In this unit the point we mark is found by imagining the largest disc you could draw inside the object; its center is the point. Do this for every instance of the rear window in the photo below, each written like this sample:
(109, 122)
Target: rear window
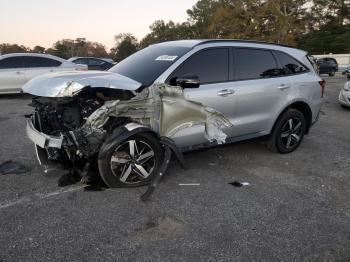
(95, 62)
(82, 61)
(289, 65)
(146, 65)
(35, 61)
(253, 63)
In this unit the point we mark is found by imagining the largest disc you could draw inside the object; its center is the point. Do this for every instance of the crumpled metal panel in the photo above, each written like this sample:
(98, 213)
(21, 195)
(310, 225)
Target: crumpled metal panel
(165, 109)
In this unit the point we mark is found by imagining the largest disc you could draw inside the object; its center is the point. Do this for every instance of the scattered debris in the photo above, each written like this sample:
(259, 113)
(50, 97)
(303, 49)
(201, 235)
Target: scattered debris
(239, 184)
(190, 184)
(12, 167)
(95, 187)
(69, 178)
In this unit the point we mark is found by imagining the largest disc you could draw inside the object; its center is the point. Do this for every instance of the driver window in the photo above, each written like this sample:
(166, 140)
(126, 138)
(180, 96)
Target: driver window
(210, 65)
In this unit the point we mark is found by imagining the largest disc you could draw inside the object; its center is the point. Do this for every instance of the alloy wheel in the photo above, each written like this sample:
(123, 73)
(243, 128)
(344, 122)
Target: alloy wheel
(133, 161)
(291, 133)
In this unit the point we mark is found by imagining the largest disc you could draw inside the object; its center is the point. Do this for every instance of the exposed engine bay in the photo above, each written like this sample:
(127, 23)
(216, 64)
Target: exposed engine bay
(65, 117)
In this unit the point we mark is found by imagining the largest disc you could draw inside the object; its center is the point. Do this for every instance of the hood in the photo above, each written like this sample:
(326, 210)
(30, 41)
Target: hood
(67, 84)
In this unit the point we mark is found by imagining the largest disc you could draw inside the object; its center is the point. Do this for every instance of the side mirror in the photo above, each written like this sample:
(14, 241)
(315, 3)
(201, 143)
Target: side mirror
(188, 81)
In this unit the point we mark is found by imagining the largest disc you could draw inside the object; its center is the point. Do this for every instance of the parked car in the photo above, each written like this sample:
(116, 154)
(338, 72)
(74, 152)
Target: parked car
(18, 68)
(178, 96)
(93, 63)
(346, 72)
(327, 65)
(344, 95)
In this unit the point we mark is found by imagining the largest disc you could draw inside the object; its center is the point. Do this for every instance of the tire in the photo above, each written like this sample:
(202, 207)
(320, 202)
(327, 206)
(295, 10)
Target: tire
(332, 73)
(121, 166)
(288, 132)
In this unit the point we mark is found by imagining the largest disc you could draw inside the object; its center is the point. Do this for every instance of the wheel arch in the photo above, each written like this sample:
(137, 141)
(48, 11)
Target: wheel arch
(301, 106)
(123, 132)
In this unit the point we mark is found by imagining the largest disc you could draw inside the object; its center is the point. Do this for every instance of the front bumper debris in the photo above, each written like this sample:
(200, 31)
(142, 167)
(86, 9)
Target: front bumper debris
(41, 139)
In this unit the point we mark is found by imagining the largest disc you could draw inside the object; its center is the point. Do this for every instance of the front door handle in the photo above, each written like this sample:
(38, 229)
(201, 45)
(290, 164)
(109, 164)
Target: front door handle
(226, 92)
(19, 73)
(283, 87)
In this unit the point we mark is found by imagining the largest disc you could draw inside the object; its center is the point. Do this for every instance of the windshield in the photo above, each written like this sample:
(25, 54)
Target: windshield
(148, 64)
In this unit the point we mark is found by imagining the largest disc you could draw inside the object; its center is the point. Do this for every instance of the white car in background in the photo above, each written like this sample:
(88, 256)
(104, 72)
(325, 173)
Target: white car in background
(18, 68)
(344, 95)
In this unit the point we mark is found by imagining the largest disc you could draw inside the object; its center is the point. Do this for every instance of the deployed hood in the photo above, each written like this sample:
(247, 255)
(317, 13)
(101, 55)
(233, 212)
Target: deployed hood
(67, 84)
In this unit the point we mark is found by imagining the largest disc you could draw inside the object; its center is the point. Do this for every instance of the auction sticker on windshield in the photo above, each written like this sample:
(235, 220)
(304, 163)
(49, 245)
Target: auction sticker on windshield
(166, 58)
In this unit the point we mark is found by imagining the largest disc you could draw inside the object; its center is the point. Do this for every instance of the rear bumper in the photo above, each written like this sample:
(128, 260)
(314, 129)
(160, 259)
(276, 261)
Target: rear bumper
(42, 140)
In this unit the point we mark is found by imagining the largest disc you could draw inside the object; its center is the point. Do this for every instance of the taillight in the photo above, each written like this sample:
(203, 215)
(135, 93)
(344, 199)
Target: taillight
(323, 85)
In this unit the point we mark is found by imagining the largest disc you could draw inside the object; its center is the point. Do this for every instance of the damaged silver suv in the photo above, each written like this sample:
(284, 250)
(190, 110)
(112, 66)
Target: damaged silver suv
(169, 98)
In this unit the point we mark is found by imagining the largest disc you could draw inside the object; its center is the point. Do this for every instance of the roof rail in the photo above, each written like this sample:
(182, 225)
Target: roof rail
(206, 41)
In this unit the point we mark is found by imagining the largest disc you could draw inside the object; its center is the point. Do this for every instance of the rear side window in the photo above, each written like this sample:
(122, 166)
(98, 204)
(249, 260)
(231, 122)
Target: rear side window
(82, 61)
(211, 66)
(33, 61)
(95, 62)
(253, 63)
(289, 65)
(12, 62)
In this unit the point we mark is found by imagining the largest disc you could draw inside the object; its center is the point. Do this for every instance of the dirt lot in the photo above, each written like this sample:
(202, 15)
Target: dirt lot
(297, 207)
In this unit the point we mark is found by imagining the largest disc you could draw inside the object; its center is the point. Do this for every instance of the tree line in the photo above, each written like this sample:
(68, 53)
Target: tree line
(318, 26)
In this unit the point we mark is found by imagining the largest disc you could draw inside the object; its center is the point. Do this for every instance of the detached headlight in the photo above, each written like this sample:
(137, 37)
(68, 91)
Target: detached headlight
(347, 86)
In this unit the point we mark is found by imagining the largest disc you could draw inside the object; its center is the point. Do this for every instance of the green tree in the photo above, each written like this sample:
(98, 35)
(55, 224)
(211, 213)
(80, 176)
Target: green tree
(38, 49)
(162, 31)
(200, 16)
(67, 48)
(329, 39)
(336, 12)
(12, 48)
(126, 44)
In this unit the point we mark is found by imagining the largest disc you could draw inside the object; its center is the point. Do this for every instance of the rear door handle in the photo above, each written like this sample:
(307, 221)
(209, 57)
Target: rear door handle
(19, 73)
(283, 87)
(226, 92)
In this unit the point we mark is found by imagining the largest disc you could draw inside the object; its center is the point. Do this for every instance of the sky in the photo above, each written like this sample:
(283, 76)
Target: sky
(43, 22)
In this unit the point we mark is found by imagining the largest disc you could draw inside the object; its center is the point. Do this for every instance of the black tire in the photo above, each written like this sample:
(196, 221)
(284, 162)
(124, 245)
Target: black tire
(114, 146)
(332, 73)
(278, 141)
(346, 107)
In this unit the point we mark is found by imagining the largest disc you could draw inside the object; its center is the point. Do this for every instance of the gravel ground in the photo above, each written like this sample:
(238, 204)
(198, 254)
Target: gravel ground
(297, 207)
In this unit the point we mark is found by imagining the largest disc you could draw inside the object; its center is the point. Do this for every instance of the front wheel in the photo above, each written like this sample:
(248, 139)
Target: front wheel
(288, 132)
(332, 73)
(131, 162)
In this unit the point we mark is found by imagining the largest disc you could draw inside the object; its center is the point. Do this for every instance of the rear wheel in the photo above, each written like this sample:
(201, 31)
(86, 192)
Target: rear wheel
(288, 132)
(331, 73)
(131, 162)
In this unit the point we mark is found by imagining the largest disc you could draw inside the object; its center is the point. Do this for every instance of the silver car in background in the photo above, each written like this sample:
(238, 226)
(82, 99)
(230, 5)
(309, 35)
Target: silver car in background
(182, 95)
(18, 68)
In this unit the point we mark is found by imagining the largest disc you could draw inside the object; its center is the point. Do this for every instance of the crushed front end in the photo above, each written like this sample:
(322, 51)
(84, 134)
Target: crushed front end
(58, 127)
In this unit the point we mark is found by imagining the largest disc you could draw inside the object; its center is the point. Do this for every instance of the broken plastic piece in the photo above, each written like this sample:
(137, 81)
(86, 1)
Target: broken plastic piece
(153, 185)
(12, 167)
(239, 184)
